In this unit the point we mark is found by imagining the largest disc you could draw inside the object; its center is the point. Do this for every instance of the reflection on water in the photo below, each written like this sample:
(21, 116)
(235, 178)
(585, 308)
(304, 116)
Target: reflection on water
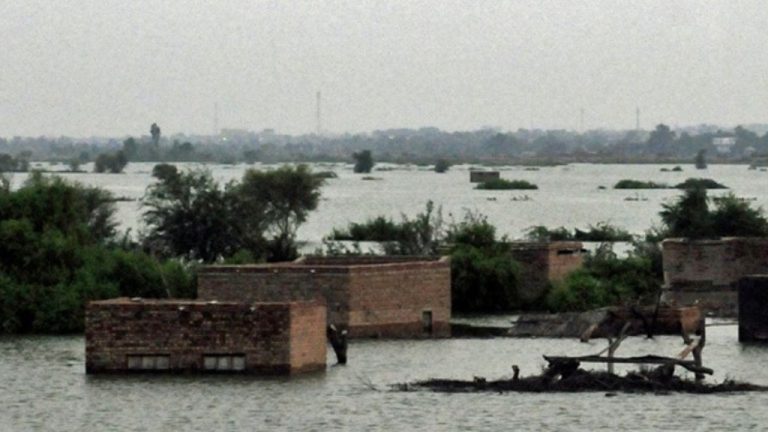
(43, 387)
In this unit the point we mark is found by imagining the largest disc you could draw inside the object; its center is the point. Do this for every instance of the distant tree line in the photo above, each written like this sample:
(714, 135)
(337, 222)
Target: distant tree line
(423, 146)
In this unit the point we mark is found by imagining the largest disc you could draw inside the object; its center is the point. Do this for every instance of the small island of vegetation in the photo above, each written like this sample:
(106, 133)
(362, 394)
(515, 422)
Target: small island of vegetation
(689, 183)
(502, 184)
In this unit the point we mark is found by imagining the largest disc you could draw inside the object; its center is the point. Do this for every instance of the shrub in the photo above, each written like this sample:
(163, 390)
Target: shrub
(705, 183)
(442, 166)
(363, 161)
(503, 184)
(638, 184)
(602, 232)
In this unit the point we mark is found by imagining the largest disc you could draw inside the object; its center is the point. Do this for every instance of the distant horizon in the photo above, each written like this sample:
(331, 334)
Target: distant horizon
(762, 127)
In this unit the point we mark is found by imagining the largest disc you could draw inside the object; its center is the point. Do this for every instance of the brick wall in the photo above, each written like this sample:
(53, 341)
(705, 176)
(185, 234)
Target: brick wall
(483, 176)
(399, 300)
(544, 263)
(373, 296)
(707, 271)
(182, 335)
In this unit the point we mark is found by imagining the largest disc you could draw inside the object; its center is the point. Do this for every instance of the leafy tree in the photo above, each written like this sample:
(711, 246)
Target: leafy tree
(701, 159)
(689, 215)
(112, 162)
(189, 214)
(363, 161)
(734, 217)
(58, 252)
(442, 166)
(661, 139)
(286, 195)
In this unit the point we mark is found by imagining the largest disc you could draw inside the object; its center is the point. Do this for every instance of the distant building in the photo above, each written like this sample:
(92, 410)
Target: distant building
(483, 176)
(724, 145)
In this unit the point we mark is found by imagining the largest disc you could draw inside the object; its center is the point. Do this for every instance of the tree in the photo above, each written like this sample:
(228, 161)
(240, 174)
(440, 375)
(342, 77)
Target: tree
(363, 161)
(691, 217)
(112, 162)
(287, 195)
(701, 159)
(442, 166)
(661, 139)
(189, 214)
(154, 130)
(688, 216)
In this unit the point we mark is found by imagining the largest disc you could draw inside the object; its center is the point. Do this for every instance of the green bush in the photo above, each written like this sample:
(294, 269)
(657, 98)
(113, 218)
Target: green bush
(602, 232)
(638, 184)
(503, 184)
(607, 280)
(705, 183)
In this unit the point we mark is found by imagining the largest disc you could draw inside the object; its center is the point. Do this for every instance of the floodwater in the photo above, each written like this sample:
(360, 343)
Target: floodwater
(568, 195)
(43, 386)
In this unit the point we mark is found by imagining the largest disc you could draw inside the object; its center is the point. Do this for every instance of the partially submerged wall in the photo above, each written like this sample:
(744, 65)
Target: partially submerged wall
(483, 176)
(544, 263)
(124, 335)
(372, 296)
(706, 272)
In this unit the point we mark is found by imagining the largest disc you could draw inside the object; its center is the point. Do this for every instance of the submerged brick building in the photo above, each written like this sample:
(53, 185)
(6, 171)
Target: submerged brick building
(371, 296)
(544, 263)
(142, 335)
(707, 272)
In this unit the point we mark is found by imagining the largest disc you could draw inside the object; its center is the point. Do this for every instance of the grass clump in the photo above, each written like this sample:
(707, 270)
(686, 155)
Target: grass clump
(704, 183)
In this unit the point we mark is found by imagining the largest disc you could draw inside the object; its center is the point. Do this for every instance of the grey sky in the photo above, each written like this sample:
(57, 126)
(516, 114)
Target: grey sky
(105, 67)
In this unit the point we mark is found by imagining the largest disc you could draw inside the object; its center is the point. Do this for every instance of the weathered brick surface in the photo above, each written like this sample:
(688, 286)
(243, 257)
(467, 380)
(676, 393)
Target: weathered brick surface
(544, 263)
(390, 300)
(483, 176)
(372, 296)
(274, 338)
(707, 271)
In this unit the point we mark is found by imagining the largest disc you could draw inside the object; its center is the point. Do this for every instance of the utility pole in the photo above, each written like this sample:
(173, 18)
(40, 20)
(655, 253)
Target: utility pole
(581, 128)
(319, 124)
(637, 118)
(216, 119)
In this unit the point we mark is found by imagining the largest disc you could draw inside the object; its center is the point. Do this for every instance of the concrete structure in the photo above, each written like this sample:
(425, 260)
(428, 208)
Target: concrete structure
(124, 335)
(706, 272)
(544, 263)
(483, 176)
(753, 308)
(371, 296)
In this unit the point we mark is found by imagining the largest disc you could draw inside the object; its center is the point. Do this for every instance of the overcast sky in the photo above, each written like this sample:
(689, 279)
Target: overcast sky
(103, 67)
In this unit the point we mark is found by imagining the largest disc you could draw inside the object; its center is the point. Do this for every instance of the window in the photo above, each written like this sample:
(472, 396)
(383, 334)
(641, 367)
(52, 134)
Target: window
(148, 362)
(233, 362)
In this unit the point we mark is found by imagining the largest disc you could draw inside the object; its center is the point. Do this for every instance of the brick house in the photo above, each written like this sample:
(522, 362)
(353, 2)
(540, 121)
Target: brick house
(143, 335)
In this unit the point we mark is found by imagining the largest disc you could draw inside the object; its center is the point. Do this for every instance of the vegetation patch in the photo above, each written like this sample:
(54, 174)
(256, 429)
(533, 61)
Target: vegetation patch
(602, 232)
(503, 184)
(639, 184)
(705, 183)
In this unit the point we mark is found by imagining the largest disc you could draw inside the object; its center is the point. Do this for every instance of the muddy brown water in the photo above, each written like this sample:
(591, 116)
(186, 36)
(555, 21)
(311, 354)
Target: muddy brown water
(43, 386)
